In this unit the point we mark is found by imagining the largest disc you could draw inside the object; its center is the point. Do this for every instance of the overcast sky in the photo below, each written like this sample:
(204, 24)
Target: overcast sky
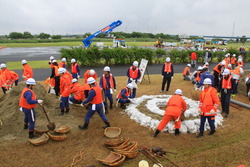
(191, 17)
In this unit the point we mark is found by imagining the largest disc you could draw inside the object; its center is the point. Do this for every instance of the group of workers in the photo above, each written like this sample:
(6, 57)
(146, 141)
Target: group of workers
(91, 94)
(95, 96)
(222, 82)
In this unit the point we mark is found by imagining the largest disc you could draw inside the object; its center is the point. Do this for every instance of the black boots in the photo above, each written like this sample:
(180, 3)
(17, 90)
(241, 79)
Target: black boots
(157, 132)
(106, 109)
(123, 106)
(107, 125)
(111, 106)
(67, 111)
(211, 132)
(84, 126)
(61, 112)
(25, 126)
(199, 135)
(31, 134)
(176, 132)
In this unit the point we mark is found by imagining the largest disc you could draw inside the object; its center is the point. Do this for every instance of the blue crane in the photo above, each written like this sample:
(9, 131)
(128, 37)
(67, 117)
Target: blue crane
(87, 42)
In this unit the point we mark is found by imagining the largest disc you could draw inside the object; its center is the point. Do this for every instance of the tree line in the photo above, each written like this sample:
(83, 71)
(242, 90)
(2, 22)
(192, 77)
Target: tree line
(28, 35)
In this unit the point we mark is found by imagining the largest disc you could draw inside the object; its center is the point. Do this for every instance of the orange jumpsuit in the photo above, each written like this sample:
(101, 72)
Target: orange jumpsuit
(27, 72)
(175, 106)
(86, 76)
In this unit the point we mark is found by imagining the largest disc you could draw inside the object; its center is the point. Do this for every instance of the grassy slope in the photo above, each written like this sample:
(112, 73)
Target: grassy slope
(229, 147)
(16, 65)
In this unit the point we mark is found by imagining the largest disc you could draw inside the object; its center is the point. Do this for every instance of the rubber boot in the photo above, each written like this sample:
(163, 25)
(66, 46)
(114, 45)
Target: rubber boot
(67, 111)
(177, 132)
(211, 132)
(123, 106)
(157, 132)
(84, 126)
(107, 125)
(111, 106)
(106, 110)
(25, 126)
(199, 135)
(31, 134)
(61, 112)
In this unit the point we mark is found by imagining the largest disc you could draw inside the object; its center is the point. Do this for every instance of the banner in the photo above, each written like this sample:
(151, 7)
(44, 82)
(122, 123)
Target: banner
(142, 67)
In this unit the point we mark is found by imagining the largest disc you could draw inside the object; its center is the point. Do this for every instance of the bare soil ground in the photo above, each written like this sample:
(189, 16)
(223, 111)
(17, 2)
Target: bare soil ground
(229, 146)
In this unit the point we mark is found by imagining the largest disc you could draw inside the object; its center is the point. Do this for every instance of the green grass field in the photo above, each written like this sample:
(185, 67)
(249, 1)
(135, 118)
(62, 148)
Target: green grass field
(16, 65)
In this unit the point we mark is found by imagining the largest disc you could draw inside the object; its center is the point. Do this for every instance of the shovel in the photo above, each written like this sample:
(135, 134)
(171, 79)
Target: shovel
(51, 125)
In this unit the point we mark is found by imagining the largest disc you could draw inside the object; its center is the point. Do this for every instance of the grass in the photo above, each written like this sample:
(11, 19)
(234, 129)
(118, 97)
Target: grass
(228, 147)
(17, 65)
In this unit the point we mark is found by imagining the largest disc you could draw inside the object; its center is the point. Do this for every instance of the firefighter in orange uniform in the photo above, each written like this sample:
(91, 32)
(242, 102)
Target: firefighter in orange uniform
(62, 64)
(193, 58)
(78, 91)
(75, 69)
(56, 77)
(108, 83)
(134, 73)
(233, 61)
(27, 71)
(186, 73)
(96, 105)
(50, 61)
(124, 96)
(175, 106)
(14, 77)
(5, 78)
(27, 103)
(209, 102)
(226, 91)
(89, 73)
(167, 74)
(65, 85)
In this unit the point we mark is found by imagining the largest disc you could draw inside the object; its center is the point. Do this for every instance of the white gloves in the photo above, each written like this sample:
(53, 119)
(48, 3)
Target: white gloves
(82, 105)
(114, 90)
(212, 111)
(131, 79)
(200, 112)
(40, 101)
(78, 76)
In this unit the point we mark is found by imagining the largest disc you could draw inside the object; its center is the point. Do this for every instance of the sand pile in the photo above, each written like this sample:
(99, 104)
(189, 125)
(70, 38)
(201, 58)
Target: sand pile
(11, 118)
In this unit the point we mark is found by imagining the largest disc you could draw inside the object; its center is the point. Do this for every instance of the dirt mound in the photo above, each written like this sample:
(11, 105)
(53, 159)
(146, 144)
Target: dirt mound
(11, 118)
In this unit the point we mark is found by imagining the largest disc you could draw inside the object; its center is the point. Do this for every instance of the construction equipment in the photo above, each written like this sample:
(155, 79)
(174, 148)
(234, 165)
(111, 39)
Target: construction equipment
(159, 43)
(51, 125)
(119, 43)
(87, 41)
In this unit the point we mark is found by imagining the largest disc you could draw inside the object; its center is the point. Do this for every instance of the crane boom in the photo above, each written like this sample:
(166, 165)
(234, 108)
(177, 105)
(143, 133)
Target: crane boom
(87, 41)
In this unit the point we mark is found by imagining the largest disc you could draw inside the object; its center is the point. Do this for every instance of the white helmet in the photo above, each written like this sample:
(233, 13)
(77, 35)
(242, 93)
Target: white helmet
(90, 80)
(3, 65)
(229, 65)
(207, 81)
(240, 60)
(24, 62)
(73, 60)
(63, 59)
(223, 62)
(206, 64)
(226, 72)
(74, 80)
(178, 92)
(188, 65)
(53, 61)
(51, 58)
(130, 86)
(168, 59)
(91, 72)
(107, 68)
(234, 55)
(199, 68)
(61, 70)
(135, 63)
(31, 81)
